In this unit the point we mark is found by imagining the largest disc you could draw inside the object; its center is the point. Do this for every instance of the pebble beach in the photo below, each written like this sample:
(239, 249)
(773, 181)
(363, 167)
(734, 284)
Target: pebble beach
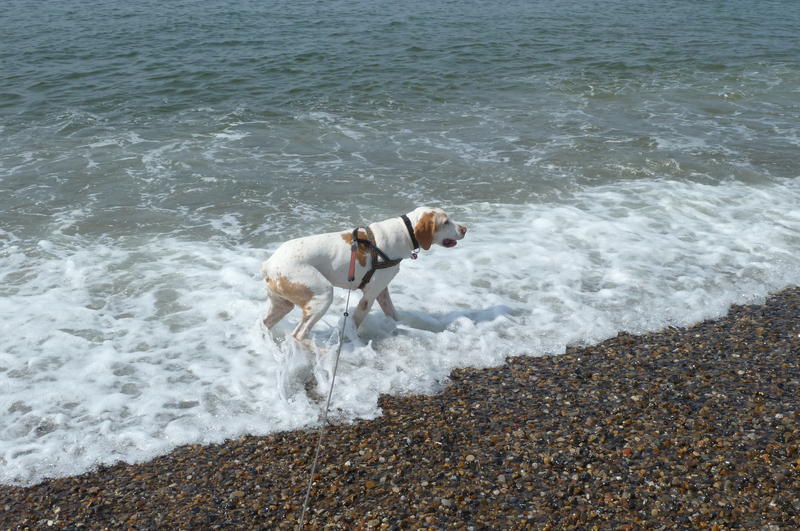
(692, 427)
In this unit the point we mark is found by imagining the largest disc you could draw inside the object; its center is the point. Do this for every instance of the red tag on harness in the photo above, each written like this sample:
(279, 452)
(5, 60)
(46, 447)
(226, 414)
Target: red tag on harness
(351, 274)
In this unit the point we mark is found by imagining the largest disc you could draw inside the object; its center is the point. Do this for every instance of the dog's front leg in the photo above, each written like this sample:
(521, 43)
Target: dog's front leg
(385, 301)
(362, 310)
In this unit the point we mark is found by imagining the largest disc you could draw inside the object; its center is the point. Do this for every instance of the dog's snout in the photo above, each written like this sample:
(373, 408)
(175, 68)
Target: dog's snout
(462, 229)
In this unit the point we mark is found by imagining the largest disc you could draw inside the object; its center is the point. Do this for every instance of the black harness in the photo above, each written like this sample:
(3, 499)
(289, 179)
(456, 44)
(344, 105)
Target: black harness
(379, 258)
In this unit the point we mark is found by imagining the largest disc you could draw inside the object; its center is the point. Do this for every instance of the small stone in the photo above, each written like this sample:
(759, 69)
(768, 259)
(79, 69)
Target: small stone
(713, 448)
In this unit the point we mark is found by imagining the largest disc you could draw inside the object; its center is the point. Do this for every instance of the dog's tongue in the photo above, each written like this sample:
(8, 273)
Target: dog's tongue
(449, 243)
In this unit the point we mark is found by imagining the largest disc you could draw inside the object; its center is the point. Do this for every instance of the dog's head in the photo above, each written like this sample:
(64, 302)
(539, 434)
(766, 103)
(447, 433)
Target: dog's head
(433, 225)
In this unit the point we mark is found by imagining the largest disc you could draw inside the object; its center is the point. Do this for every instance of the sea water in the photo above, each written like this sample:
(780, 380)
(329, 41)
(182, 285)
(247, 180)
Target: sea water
(621, 166)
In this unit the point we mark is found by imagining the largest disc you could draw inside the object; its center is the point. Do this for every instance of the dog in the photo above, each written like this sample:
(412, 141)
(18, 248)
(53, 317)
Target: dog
(303, 272)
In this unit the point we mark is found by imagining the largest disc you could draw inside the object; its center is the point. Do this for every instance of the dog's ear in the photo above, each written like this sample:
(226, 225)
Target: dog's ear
(424, 230)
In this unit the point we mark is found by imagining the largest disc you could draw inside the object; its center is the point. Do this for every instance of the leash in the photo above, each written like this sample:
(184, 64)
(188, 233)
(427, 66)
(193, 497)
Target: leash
(351, 276)
(327, 404)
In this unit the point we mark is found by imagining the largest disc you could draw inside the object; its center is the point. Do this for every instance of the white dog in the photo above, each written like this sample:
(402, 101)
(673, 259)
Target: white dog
(304, 271)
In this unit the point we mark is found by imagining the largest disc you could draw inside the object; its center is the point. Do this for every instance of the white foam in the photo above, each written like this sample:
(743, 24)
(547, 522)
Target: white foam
(124, 349)
(231, 135)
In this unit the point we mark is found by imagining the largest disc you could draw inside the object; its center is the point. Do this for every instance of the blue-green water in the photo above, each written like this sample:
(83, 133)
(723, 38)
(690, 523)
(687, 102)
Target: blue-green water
(621, 165)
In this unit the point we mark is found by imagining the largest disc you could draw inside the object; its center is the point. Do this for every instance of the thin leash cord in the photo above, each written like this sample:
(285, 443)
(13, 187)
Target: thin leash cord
(324, 417)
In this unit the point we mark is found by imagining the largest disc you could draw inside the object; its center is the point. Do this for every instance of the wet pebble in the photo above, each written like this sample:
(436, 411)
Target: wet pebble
(694, 427)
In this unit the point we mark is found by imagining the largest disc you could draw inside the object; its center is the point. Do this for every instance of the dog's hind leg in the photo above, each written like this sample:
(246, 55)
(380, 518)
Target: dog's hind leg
(302, 286)
(313, 311)
(278, 309)
(311, 292)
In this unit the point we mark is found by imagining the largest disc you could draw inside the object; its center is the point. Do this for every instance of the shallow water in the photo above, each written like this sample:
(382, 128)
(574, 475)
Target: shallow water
(621, 166)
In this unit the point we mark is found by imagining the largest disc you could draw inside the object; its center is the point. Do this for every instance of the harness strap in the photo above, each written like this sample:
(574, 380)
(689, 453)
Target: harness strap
(414, 242)
(379, 258)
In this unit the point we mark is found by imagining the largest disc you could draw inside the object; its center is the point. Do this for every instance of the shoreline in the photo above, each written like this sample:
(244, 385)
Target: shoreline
(685, 427)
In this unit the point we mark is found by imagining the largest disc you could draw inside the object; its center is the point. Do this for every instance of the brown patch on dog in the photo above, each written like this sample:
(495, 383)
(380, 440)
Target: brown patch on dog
(424, 230)
(441, 219)
(363, 250)
(294, 292)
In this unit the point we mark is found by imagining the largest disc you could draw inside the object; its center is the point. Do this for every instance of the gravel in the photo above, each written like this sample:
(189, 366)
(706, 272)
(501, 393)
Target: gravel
(691, 427)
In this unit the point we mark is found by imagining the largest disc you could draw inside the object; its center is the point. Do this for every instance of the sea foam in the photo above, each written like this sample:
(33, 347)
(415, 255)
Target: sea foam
(124, 349)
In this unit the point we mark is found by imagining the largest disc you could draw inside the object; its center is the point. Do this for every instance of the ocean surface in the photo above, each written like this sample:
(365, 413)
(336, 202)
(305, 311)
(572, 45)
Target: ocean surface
(621, 166)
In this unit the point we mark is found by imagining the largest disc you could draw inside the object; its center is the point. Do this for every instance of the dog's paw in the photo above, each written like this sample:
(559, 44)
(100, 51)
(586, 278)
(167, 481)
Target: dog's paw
(312, 390)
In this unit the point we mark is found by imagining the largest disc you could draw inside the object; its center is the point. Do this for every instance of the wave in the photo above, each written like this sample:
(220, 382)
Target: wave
(124, 348)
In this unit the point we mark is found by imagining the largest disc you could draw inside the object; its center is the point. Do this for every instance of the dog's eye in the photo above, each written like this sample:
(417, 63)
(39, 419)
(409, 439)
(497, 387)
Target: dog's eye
(447, 222)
